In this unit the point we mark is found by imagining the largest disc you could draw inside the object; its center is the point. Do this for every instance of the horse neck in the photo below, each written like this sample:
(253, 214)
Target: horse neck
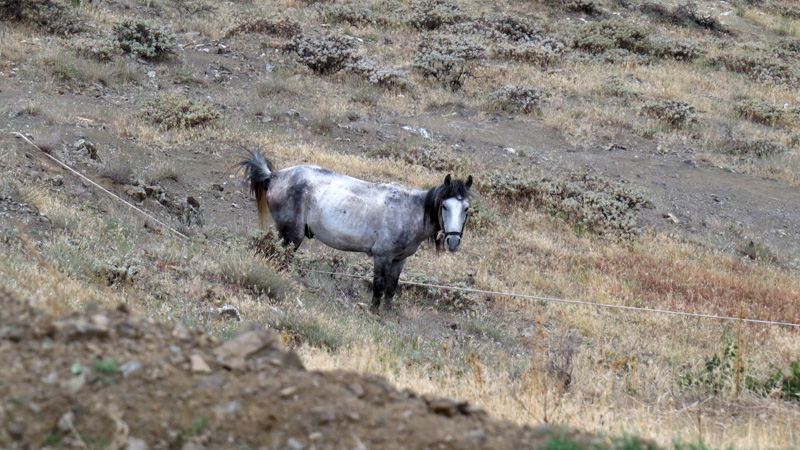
(430, 213)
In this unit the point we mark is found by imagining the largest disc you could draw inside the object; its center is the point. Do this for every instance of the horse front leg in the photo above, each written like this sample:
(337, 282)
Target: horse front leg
(380, 271)
(392, 279)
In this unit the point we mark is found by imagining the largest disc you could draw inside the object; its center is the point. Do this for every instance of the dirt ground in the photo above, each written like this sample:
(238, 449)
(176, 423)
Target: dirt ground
(114, 380)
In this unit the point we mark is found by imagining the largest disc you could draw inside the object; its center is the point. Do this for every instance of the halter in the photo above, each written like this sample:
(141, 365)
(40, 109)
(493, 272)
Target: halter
(443, 234)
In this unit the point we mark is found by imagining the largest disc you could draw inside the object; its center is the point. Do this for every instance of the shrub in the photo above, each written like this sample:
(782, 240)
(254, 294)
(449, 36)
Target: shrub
(588, 7)
(786, 8)
(176, 111)
(324, 54)
(765, 113)
(599, 37)
(354, 14)
(589, 202)
(543, 52)
(447, 58)
(255, 275)
(684, 15)
(283, 27)
(379, 75)
(429, 15)
(617, 87)
(143, 39)
(676, 113)
(759, 148)
(526, 99)
(512, 28)
(100, 50)
(436, 158)
(53, 16)
(761, 69)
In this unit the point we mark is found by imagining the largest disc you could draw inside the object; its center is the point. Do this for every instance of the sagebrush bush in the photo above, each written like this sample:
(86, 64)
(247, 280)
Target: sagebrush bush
(758, 148)
(169, 111)
(380, 75)
(357, 14)
(429, 15)
(599, 37)
(766, 113)
(283, 27)
(101, 50)
(53, 16)
(526, 99)
(438, 158)
(617, 87)
(144, 39)
(509, 27)
(322, 53)
(684, 15)
(543, 52)
(589, 7)
(760, 68)
(676, 113)
(589, 202)
(447, 58)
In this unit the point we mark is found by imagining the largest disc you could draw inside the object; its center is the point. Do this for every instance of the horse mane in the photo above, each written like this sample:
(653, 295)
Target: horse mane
(433, 204)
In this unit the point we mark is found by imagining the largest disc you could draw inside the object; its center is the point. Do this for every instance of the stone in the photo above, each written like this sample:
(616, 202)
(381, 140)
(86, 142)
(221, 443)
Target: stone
(134, 443)
(294, 444)
(356, 389)
(137, 193)
(446, 406)
(129, 367)
(199, 364)
(68, 330)
(254, 343)
(322, 416)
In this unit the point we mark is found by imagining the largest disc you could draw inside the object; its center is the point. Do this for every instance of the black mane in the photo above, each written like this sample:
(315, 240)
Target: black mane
(433, 204)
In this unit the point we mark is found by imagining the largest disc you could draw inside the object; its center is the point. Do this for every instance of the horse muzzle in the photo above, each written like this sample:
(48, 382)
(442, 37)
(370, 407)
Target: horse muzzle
(452, 241)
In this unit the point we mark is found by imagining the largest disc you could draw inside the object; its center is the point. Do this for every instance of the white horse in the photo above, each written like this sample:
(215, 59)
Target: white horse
(385, 221)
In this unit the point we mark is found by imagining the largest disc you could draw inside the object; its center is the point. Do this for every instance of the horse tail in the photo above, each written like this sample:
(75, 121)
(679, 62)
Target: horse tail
(258, 171)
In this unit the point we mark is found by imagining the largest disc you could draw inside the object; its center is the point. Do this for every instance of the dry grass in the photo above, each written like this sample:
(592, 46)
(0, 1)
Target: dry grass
(625, 365)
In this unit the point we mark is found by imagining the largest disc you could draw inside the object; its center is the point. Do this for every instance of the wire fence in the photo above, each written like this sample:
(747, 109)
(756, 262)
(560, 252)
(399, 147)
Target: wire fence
(431, 285)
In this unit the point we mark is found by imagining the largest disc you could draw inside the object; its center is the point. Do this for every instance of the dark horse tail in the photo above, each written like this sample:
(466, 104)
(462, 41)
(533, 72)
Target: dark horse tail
(258, 171)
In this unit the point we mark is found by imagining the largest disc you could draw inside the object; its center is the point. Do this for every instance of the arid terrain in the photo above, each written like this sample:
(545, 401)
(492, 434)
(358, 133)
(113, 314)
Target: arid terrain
(625, 152)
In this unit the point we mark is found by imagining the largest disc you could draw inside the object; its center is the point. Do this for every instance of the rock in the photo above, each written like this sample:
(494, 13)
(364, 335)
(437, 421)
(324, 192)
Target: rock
(255, 342)
(192, 446)
(16, 429)
(198, 364)
(66, 422)
(217, 187)
(476, 435)
(74, 384)
(322, 416)
(230, 408)
(294, 444)
(446, 406)
(288, 392)
(135, 444)
(671, 217)
(130, 367)
(356, 389)
(181, 332)
(137, 193)
(68, 330)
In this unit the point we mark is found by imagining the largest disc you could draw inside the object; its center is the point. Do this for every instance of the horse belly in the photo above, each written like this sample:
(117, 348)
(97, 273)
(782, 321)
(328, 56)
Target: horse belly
(347, 229)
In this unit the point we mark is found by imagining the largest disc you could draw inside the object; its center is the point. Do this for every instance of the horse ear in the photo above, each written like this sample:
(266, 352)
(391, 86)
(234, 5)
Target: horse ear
(447, 180)
(469, 182)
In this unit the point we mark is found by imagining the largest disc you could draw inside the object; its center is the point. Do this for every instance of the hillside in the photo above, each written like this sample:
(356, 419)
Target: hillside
(625, 152)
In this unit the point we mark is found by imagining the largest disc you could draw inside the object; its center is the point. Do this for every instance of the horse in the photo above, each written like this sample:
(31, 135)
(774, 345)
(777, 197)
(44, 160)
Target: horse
(386, 221)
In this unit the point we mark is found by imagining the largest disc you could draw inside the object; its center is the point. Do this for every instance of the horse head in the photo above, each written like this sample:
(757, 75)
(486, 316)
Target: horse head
(447, 206)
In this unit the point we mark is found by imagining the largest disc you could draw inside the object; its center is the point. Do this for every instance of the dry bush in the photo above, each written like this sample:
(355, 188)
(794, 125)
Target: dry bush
(786, 8)
(759, 68)
(510, 27)
(590, 203)
(588, 7)
(284, 27)
(429, 15)
(758, 148)
(169, 111)
(379, 75)
(53, 16)
(598, 38)
(101, 50)
(323, 53)
(358, 14)
(766, 113)
(676, 113)
(525, 99)
(144, 39)
(685, 15)
(434, 157)
(447, 58)
(543, 52)
(616, 86)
